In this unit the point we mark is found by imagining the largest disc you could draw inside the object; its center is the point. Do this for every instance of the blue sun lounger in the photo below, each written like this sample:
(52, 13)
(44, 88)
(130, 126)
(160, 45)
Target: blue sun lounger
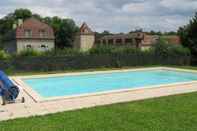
(8, 90)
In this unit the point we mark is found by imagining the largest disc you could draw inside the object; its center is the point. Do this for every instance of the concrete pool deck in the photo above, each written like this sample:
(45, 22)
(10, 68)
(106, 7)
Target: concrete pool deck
(35, 108)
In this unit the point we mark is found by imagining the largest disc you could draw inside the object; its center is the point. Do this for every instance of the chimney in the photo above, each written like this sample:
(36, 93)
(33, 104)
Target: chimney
(14, 26)
(20, 22)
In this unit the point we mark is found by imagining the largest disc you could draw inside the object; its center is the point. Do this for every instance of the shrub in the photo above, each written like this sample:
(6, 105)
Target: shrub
(163, 49)
(62, 52)
(108, 49)
(29, 53)
(127, 50)
(100, 56)
(102, 49)
(4, 55)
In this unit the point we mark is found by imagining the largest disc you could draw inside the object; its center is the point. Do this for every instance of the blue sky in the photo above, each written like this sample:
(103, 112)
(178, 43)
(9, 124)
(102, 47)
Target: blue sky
(113, 15)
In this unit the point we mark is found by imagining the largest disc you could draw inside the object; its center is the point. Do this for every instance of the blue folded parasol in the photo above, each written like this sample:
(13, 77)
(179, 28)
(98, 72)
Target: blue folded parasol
(9, 90)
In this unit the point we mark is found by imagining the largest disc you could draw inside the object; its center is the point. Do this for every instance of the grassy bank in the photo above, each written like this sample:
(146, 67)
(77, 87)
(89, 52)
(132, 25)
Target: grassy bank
(172, 113)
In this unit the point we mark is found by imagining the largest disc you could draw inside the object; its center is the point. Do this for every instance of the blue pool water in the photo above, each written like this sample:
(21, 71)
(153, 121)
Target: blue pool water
(93, 83)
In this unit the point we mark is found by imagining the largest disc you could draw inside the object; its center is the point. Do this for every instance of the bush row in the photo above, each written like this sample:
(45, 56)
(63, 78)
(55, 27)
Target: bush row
(161, 49)
(89, 61)
(102, 56)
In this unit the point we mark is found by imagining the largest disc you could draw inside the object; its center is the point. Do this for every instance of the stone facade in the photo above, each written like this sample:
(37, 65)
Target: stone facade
(85, 39)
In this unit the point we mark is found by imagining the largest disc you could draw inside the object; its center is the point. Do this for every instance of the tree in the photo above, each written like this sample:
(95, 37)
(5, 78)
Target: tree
(170, 33)
(6, 24)
(188, 35)
(104, 33)
(65, 30)
(22, 14)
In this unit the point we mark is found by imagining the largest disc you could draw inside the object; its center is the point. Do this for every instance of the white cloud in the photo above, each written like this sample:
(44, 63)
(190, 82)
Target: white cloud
(113, 15)
(141, 7)
(185, 5)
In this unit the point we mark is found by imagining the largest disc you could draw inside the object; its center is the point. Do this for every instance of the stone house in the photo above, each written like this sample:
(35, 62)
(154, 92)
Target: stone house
(31, 34)
(149, 41)
(136, 39)
(85, 39)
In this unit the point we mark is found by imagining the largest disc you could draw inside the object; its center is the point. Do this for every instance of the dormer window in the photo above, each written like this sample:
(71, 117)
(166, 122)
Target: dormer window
(43, 33)
(28, 46)
(85, 31)
(138, 34)
(43, 46)
(28, 33)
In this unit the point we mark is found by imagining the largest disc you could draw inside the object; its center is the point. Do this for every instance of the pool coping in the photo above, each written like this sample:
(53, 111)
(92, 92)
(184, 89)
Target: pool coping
(39, 99)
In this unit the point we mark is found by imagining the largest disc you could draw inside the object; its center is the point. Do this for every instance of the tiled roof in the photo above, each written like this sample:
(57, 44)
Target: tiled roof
(85, 29)
(35, 26)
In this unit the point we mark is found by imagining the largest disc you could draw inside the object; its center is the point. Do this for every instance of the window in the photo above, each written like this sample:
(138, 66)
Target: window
(128, 41)
(99, 41)
(28, 46)
(139, 35)
(85, 31)
(43, 46)
(104, 42)
(118, 41)
(28, 33)
(110, 41)
(43, 33)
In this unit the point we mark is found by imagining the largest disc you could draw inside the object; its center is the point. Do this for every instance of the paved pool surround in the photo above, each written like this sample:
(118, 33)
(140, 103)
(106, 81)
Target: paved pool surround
(36, 105)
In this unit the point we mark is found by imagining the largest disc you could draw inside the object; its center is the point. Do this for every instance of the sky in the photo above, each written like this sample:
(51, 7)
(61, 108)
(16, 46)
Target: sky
(113, 15)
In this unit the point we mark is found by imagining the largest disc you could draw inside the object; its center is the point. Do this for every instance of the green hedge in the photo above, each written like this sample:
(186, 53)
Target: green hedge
(160, 54)
(89, 61)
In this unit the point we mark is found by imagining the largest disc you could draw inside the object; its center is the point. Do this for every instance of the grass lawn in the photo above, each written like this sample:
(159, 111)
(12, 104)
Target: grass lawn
(172, 113)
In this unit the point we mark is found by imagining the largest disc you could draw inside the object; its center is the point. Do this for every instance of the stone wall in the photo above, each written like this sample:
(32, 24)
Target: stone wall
(84, 42)
(87, 42)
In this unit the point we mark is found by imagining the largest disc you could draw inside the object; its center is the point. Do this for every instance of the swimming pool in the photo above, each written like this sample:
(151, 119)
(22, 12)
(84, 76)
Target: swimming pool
(71, 85)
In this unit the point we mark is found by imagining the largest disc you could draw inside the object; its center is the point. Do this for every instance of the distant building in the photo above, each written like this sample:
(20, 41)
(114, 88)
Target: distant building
(31, 34)
(149, 41)
(85, 39)
(137, 39)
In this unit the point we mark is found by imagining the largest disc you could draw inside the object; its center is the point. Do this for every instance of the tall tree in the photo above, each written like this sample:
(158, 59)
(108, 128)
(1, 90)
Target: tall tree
(188, 35)
(6, 24)
(22, 14)
(65, 31)
(66, 34)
